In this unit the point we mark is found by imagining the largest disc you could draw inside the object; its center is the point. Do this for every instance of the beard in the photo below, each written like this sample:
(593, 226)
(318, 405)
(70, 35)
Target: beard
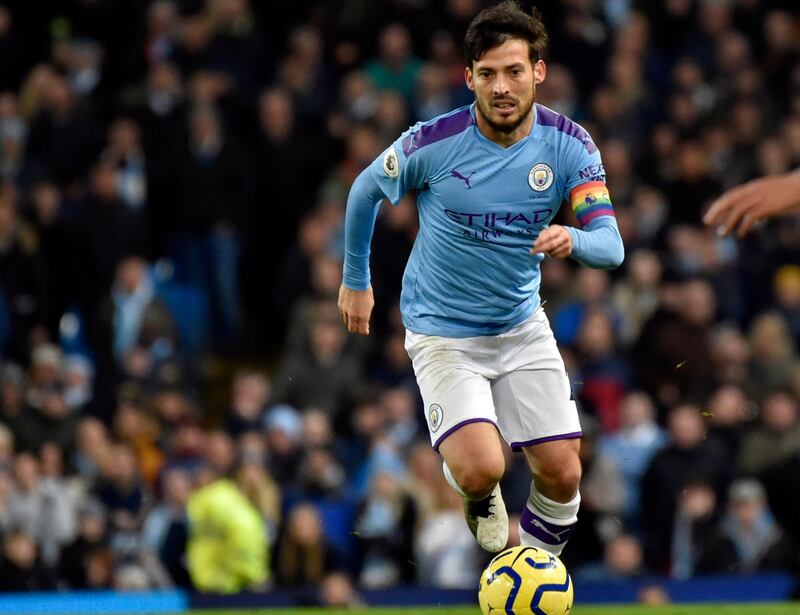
(510, 124)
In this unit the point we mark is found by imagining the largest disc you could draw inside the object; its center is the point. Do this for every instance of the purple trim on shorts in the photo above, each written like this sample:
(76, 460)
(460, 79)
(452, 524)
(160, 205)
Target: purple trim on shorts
(563, 436)
(456, 426)
(549, 533)
(444, 127)
(548, 117)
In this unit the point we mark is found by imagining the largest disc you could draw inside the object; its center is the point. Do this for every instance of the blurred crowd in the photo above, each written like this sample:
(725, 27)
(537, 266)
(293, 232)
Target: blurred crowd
(173, 178)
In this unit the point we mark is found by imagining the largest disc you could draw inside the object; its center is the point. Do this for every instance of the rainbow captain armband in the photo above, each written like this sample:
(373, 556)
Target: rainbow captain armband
(590, 201)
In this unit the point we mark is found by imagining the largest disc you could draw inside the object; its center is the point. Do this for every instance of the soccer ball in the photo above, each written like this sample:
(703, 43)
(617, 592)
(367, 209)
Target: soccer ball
(525, 581)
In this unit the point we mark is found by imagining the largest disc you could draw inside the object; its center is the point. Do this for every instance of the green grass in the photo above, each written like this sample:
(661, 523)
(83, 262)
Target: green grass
(706, 609)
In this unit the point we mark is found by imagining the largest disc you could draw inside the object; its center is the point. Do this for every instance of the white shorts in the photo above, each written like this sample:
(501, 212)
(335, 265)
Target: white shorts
(515, 380)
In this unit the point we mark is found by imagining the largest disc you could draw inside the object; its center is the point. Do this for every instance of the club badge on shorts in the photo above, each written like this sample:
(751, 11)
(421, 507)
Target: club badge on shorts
(435, 417)
(540, 177)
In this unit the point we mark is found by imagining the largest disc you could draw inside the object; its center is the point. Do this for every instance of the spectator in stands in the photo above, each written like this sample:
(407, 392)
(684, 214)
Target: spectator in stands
(632, 448)
(74, 567)
(284, 430)
(20, 568)
(166, 527)
(103, 232)
(776, 439)
(92, 448)
(774, 355)
(603, 372)
(250, 393)
(320, 475)
(42, 508)
(688, 458)
(446, 556)
(730, 352)
(47, 418)
(636, 296)
(291, 158)
(137, 317)
(23, 285)
(326, 377)
(134, 426)
(602, 496)
(401, 410)
(395, 68)
(696, 517)
(729, 414)
(748, 539)
(12, 393)
(623, 560)
(121, 492)
(786, 287)
(592, 290)
(304, 557)
(208, 217)
(673, 353)
(384, 527)
(260, 488)
(222, 521)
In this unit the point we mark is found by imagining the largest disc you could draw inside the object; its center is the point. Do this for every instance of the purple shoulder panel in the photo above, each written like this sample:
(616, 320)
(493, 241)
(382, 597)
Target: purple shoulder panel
(548, 117)
(436, 131)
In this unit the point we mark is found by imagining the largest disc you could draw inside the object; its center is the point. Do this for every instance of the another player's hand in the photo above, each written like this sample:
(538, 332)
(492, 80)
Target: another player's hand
(555, 241)
(356, 308)
(762, 198)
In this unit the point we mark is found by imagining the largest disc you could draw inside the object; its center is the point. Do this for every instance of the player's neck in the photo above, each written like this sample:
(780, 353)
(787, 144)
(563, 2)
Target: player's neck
(505, 139)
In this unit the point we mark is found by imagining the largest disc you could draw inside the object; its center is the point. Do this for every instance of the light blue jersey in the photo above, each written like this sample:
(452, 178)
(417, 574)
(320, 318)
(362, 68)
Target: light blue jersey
(481, 207)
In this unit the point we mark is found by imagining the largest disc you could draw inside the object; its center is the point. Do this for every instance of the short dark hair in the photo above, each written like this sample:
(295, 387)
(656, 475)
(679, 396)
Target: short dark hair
(496, 25)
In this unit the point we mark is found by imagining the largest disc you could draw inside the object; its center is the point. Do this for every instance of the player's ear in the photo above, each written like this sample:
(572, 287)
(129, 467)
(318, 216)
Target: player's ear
(539, 71)
(468, 78)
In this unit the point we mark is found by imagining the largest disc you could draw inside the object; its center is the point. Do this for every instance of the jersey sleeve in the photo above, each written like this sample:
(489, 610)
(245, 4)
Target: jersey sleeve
(399, 168)
(585, 186)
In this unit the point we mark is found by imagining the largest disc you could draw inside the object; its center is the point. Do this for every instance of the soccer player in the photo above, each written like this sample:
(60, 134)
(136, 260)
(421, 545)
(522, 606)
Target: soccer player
(489, 178)
(741, 207)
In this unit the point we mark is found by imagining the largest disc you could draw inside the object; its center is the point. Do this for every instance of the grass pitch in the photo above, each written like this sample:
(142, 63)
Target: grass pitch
(706, 609)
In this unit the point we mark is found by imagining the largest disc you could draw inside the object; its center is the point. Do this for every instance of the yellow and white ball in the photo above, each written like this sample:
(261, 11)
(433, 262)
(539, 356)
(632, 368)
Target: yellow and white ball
(525, 581)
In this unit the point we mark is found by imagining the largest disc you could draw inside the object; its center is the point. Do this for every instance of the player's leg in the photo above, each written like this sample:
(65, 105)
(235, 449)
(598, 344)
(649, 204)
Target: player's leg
(462, 424)
(533, 417)
(473, 460)
(551, 512)
(473, 466)
(537, 414)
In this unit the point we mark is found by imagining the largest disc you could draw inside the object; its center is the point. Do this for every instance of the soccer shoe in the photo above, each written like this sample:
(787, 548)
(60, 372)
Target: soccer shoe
(487, 519)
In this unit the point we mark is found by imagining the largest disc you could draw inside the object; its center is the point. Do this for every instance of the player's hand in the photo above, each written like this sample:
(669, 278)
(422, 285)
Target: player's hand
(555, 241)
(740, 208)
(356, 308)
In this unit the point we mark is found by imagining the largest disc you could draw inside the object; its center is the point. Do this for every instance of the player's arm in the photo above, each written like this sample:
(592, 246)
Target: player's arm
(597, 243)
(355, 294)
(743, 206)
(389, 176)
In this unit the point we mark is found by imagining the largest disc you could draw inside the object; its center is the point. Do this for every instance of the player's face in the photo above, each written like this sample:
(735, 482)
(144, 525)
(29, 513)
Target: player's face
(504, 81)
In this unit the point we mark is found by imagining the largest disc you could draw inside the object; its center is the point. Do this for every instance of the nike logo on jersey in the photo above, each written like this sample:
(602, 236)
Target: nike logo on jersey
(458, 175)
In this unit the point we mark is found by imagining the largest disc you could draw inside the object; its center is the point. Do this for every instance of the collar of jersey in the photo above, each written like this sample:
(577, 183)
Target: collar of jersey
(496, 147)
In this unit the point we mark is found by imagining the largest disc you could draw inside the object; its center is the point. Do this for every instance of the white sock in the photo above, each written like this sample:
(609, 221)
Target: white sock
(547, 524)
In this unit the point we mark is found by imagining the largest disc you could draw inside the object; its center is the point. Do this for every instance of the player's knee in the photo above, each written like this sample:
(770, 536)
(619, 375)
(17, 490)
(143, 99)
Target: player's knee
(562, 481)
(570, 477)
(479, 480)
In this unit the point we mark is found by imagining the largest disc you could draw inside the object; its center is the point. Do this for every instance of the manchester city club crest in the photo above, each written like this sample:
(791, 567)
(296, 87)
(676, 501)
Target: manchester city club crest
(435, 417)
(540, 177)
